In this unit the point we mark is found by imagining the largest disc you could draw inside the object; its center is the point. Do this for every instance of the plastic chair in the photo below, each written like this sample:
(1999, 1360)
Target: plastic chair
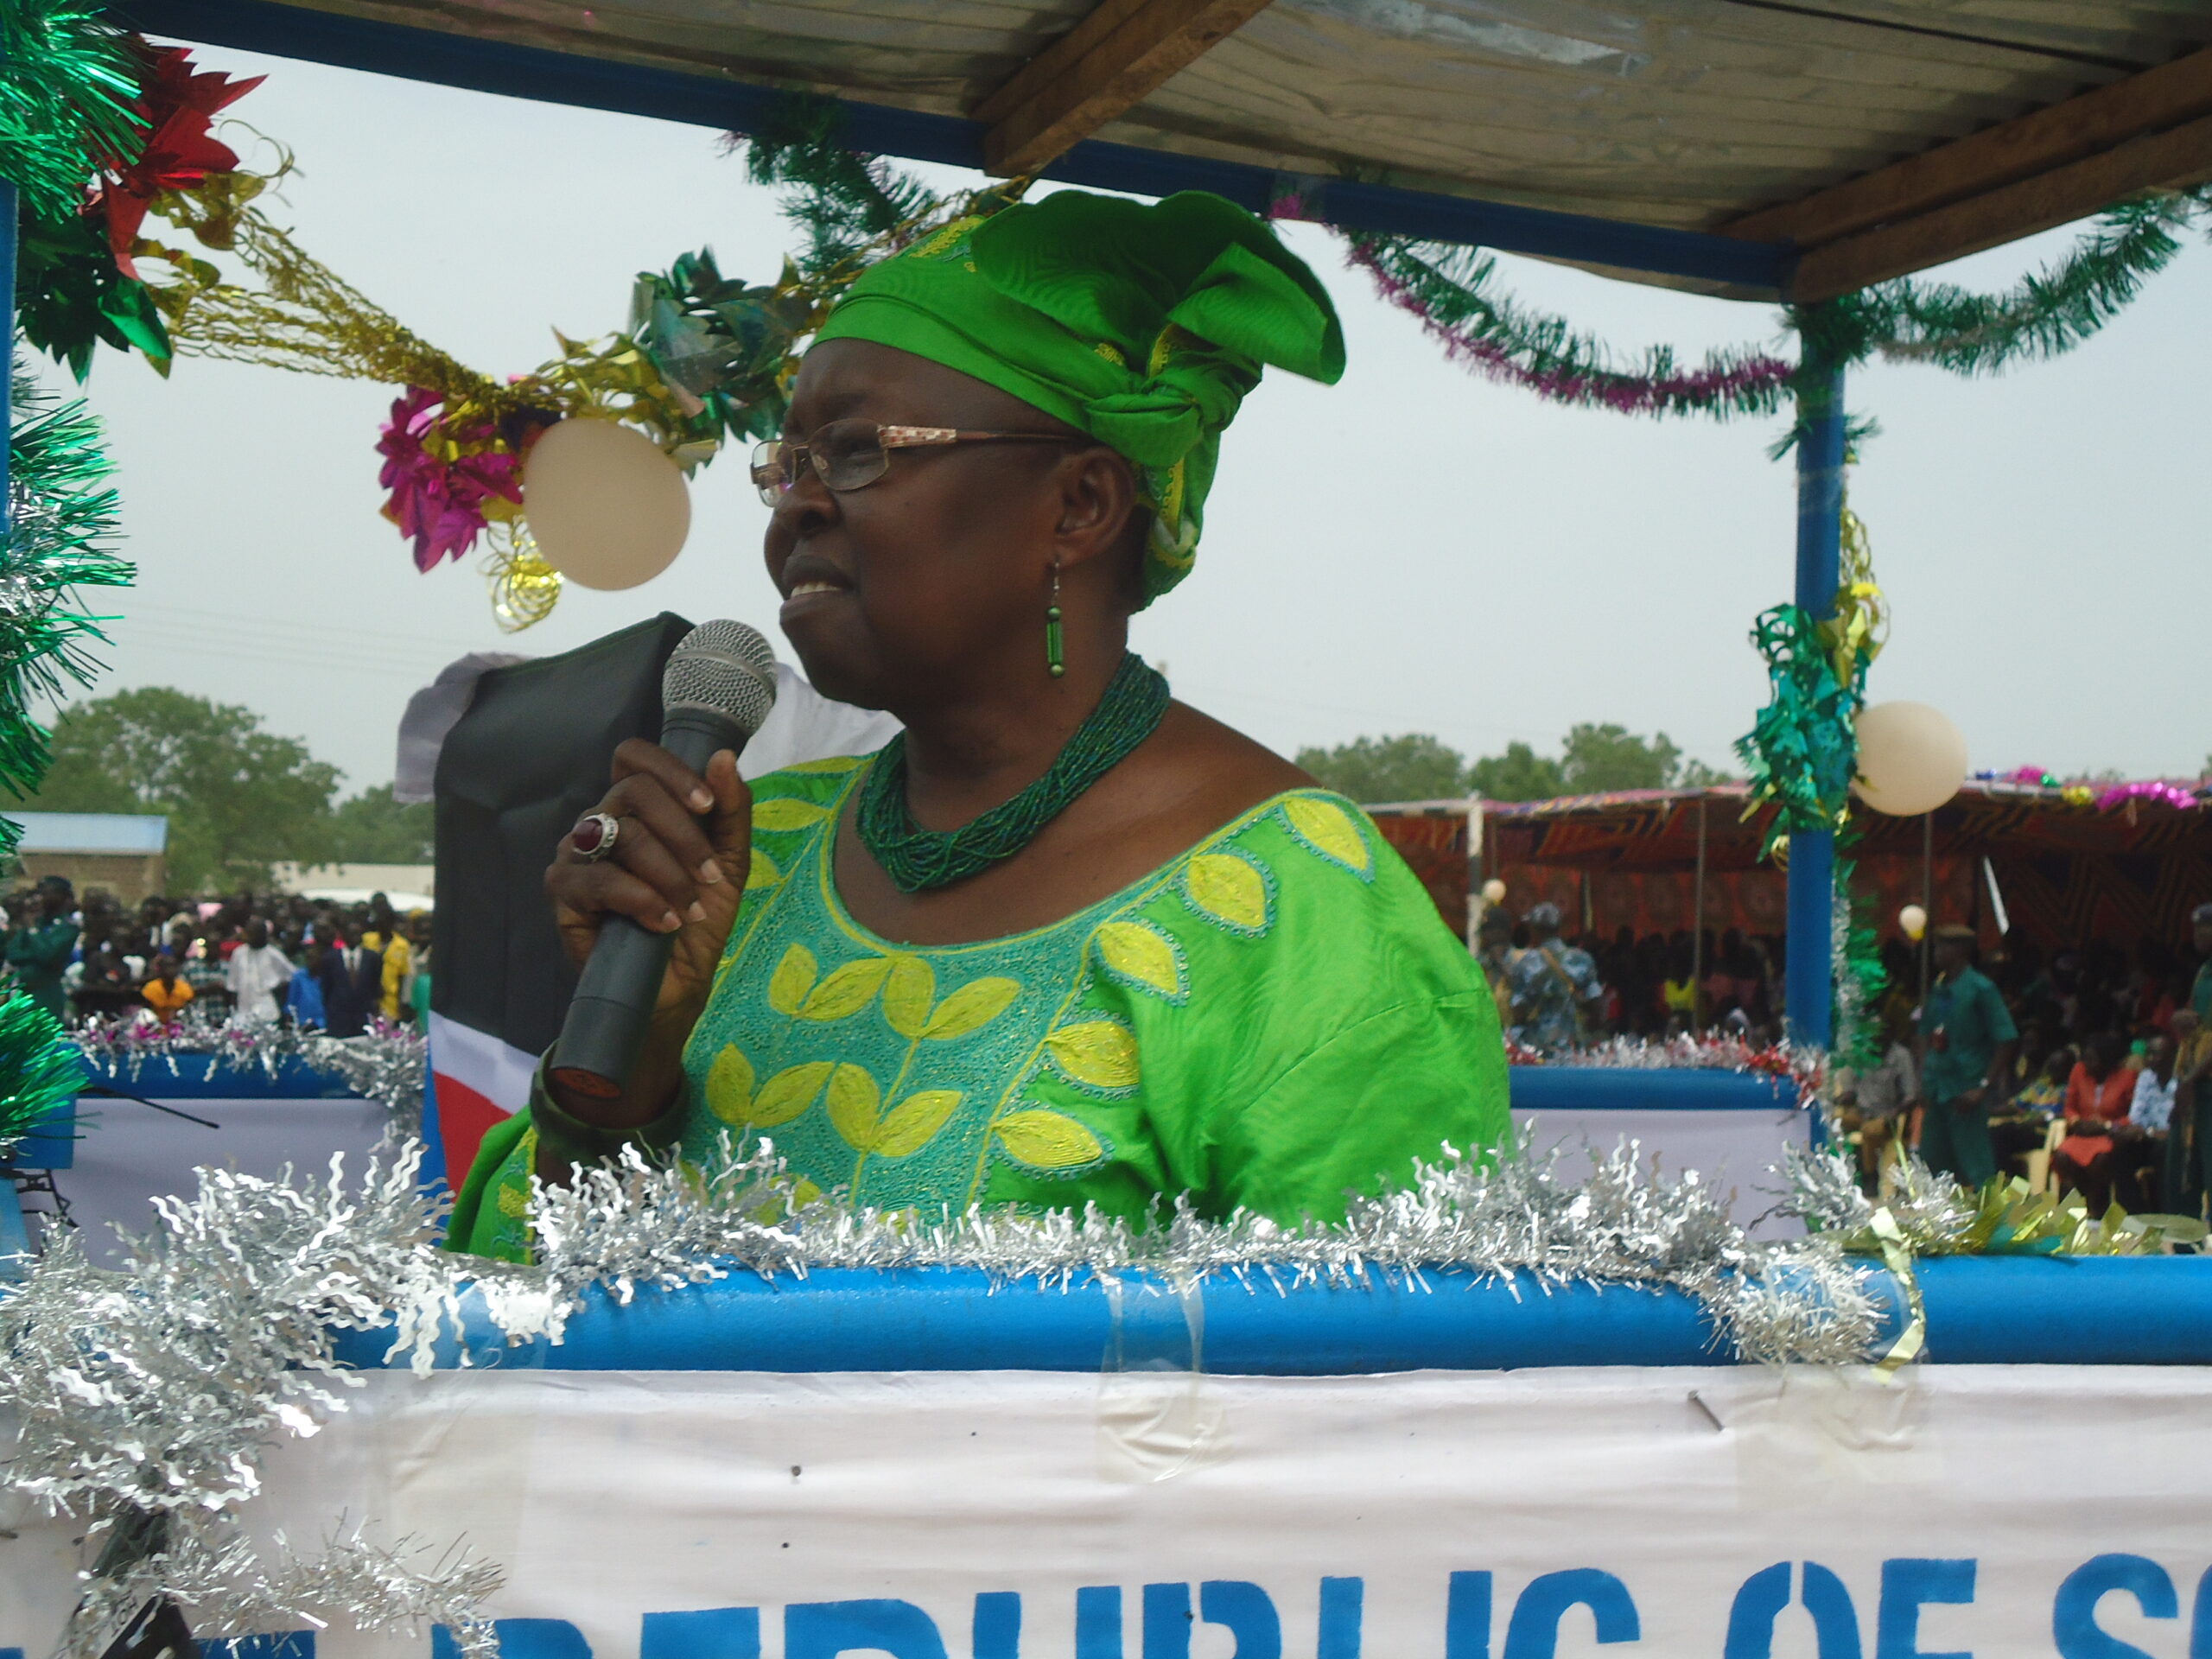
(2039, 1163)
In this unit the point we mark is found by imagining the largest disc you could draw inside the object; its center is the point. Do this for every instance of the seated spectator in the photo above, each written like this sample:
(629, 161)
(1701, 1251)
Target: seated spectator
(397, 951)
(353, 982)
(256, 974)
(418, 996)
(1880, 1099)
(1556, 994)
(2045, 1092)
(2189, 1135)
(166, 991)
(2099, 1093)
(104, 988)
(203, 966)
(2140, 1146)
(303, 1003)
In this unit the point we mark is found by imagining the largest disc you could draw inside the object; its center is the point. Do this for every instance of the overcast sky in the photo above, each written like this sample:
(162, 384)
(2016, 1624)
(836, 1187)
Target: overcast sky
(1415, 550)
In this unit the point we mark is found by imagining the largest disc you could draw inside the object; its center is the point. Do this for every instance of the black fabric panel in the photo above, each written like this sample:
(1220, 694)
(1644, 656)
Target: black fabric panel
(529, 758)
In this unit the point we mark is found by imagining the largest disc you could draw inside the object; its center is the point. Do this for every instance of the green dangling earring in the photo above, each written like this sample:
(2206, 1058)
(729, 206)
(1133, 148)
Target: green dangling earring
(1053, 664)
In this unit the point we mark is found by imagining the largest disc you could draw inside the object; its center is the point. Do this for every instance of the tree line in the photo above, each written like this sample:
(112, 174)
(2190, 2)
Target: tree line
(238, 798)
(1593, 760)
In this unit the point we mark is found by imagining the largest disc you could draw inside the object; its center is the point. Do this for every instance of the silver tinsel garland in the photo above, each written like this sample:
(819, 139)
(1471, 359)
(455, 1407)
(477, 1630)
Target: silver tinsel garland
(385, 1063)
(1806, 1067)
(631, 1224)
(144, 1394)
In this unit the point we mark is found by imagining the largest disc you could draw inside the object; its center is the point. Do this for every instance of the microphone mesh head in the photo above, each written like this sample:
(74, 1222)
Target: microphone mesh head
(724, 668)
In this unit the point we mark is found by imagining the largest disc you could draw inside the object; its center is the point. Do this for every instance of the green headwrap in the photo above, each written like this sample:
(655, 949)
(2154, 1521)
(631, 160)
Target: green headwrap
(1141, 325)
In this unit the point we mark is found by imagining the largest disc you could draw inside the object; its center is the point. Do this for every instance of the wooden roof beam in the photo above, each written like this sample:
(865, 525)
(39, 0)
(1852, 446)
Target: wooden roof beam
(2024, 175)
(2167, 159)
(1112, 61)
(2013, 151)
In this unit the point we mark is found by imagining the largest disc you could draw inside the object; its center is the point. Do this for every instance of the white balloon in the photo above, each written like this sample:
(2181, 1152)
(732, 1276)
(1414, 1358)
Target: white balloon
(1493, 891)
(1914, 921)
(1912, 758)
(606, 508)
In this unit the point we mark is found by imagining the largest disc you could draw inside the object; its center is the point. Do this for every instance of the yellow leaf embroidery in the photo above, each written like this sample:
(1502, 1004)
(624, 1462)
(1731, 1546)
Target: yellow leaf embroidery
(792, 980)
(836, 763)
(763, 872)
(804, 1193)
(1228, 889)
(907, 996)
(973, 1006)
(1141, 955)
(1048, 1140)
(781, 816)
(854, 1101)
(847, 990)
(1100, 1052)
(789, 1093)
(909, 1126)
(729, 1086)
(513, 1202)
(1329, 831)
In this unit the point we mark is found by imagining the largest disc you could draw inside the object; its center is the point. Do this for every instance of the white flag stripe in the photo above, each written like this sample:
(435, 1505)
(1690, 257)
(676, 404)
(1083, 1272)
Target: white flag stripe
(478, 1060)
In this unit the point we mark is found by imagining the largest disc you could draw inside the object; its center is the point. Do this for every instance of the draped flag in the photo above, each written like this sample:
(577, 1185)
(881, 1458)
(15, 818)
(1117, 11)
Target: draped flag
(528, 757)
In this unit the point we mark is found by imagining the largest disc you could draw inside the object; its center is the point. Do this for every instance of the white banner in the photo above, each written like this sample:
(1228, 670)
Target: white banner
(1724, 1513)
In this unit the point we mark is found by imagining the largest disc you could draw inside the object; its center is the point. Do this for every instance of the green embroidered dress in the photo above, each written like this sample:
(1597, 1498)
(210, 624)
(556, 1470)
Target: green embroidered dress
(1273, 1019)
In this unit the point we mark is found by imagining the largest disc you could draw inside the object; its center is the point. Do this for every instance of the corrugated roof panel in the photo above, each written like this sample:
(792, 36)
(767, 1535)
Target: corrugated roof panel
(1687, 114)
(1683, 113)
(92, 832)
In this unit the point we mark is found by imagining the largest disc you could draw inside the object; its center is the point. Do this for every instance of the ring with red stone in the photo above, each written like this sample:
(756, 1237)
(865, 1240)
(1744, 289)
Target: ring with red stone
(595, 835)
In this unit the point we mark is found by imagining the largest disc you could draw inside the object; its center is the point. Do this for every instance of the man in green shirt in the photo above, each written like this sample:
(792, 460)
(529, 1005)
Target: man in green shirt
(2200, 998)
(2189, 1129)
(1970, 1037)
(39, 950)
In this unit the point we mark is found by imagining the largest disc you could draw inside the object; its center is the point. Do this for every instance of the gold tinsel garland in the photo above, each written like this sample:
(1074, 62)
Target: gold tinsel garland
(303, 317)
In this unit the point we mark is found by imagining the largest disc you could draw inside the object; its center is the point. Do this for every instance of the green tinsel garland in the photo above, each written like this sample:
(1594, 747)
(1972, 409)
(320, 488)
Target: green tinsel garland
(1803, 751)
(1861, 979)
(1455, 292)
(39, 1070)
(71, 298)
(61, 519)
(2044, 315)
(844, 199)
(733, 347)
(66, 85)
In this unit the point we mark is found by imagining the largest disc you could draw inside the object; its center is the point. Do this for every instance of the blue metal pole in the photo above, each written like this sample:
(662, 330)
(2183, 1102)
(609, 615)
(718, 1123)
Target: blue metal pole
(1809, 974)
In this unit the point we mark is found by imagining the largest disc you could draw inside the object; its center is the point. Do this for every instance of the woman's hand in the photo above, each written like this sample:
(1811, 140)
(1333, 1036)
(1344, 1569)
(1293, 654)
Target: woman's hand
(668, 872)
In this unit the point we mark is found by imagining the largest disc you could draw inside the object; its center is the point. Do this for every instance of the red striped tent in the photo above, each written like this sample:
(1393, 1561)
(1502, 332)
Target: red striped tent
(2057, 871)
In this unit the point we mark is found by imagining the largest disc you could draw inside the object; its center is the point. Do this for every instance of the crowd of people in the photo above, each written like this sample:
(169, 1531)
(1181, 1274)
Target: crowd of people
(2092, 1063)
(2090, 1058)
(2087, 1068)
(269, 958)
(1552, 993)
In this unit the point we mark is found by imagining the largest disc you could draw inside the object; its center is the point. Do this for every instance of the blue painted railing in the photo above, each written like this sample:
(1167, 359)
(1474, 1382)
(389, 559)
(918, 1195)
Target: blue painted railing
(1992, 1309)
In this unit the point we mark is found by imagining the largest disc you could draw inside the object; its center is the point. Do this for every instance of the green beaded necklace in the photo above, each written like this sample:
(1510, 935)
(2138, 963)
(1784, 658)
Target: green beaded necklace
(917, 859)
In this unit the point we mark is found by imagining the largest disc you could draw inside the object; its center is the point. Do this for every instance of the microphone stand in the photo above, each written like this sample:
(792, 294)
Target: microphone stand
(125, 1094)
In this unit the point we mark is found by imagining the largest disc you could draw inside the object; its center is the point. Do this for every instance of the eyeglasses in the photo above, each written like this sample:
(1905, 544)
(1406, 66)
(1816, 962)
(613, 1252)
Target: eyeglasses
(853, 455)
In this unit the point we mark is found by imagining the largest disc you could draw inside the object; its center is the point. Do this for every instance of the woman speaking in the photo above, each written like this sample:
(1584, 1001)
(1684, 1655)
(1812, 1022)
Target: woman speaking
(1065, 941)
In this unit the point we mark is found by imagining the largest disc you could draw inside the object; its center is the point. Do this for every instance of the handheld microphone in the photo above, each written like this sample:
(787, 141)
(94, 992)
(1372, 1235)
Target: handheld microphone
(719, 686)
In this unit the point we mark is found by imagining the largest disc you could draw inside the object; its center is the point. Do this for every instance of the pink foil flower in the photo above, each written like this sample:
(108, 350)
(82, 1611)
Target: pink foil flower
(2156, 789)
(437, 503)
